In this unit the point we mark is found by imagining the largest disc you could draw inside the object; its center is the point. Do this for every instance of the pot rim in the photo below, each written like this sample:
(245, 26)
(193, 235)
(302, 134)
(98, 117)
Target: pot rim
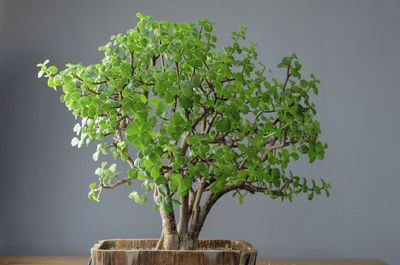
(247, 247)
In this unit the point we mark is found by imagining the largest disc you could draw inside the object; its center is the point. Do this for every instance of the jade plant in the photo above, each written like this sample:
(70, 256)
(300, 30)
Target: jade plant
(193, 122)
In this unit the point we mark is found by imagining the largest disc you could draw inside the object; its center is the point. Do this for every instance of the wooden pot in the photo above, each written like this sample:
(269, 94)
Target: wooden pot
(141, 252)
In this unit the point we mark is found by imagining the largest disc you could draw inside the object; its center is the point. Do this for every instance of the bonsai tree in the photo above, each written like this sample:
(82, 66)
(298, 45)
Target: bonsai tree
(203, 122)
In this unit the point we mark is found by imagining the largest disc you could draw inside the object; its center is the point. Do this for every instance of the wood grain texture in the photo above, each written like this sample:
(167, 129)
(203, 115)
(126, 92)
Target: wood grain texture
(61, 260)
(142, 252)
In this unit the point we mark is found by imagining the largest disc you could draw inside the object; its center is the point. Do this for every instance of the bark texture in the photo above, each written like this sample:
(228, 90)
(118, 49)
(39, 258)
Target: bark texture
(169, 236)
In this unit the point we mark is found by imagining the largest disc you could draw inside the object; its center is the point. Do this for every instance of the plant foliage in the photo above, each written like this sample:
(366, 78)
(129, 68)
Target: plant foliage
(194, 114)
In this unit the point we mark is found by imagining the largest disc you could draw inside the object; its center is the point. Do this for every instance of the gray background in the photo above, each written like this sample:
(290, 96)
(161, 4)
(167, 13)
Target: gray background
(352, 46)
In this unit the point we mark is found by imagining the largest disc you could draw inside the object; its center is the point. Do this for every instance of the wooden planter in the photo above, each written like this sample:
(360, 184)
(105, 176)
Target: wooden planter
(141, 252)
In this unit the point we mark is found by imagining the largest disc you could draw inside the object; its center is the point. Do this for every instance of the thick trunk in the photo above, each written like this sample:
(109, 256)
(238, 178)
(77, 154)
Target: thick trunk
(169, 236)
(171, 241)
(173, 238)
(187, 242)
(181, 237)
(174, 241)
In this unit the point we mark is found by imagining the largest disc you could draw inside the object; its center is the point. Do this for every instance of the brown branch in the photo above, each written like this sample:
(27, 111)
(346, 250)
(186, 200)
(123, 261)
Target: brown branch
(253, 189)
(162, 60)
(129, 160)
(227, 80)
(184, 144)
(100, 82)
(281, 145)
(288, 74)
(132, 54)
(200, 31)
(192, 197)
(177, 75)
(259, 115)
(86, 86)
(196, 206)
(210, 200)
(175, 104)
(192, 75)
(183, 215)
(209, 125)
(201, 90)
(113, 185)
(203, 114)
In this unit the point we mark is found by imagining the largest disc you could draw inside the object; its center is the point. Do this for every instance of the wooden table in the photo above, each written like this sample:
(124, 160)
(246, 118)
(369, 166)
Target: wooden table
(46, 260)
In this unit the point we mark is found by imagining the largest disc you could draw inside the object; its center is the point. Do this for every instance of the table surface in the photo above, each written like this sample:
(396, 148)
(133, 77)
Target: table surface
(62, 260)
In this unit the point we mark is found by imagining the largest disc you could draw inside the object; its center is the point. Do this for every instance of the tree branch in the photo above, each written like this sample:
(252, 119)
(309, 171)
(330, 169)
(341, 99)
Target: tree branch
(183, 215)
(281, 145)
(196, 206)
(132, 54)
(113, 185)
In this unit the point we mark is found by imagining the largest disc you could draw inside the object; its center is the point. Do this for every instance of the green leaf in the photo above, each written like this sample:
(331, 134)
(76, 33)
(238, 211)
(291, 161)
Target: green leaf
(52, 70)
(96, 156)
(163, 190)
(161, 108)
(166, 205)
(304, 189)
(181, 192)
(254, 102)
(138, 198)
(251, 171)
(132, 130)
(223, 125)
(92, 111)
(75, 141)
(176, 58)
(185, 102)
(77, 128)
(286, 60)
(176, 202)
(217, 186)
(315, 90)
(275, 173)
(208, 27)
(155, 173)
(303, 83)
(244, 109)
(113, 168)
(186, 182)
(50, 82)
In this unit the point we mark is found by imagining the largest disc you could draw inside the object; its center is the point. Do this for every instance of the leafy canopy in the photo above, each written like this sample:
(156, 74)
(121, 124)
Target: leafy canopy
(194, 114)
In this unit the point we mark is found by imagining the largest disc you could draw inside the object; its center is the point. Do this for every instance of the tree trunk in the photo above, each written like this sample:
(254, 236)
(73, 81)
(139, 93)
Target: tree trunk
(169, 236)
(173, 238)
(187, 242)
(176, 241)
(181, 237)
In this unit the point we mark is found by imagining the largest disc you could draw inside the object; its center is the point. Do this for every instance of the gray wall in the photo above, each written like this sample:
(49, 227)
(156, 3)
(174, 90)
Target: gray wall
(352, 46)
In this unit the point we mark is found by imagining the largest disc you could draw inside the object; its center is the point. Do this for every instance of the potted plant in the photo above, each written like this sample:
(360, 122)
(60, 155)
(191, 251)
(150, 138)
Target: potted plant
(205, 123)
